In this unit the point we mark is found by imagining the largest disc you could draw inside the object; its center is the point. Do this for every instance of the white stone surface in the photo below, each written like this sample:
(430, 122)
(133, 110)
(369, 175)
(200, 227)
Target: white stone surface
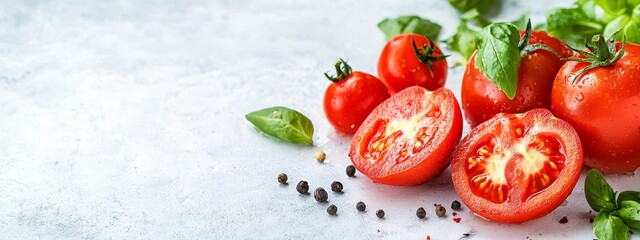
(125, 120)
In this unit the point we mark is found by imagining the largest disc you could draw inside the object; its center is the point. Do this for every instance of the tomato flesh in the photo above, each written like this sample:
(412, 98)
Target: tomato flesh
(407, 139)
(517, 167)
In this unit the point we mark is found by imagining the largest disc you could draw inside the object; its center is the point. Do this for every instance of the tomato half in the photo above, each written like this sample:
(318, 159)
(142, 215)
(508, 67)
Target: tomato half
(350, 99)
(399, 66)
(603, 105)
(517, 167)
(481, 99)
(408, 138)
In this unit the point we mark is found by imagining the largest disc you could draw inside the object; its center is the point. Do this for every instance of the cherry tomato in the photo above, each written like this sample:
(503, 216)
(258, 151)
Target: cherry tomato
(403, 64)
(603, 105)
(517, 167)
(408, 139)
(352, 96)
(481, 99)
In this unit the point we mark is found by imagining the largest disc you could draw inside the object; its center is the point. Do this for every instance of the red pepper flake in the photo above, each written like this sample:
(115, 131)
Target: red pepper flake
(457, 220)
(455, 214)
(428, 237)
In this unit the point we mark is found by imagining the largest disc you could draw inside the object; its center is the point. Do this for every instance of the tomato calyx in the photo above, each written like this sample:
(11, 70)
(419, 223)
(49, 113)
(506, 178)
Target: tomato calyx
(425, 54)
(526, 48)
(602, 53)
(343, 70)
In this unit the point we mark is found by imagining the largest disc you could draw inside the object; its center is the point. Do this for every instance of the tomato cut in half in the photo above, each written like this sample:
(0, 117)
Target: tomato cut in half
(408, 138)
(517, 167)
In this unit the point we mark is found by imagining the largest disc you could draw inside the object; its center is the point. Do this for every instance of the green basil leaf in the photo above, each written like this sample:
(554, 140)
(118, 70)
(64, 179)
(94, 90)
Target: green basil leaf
(632, 32)
(474, 16)
(573, 25)
(609, 227)
(392, 27)
(498, 56)
(598, 192)
(616, 7)
(633, 3)
(283, 123)
(635, 14)
(463, 41)
(630, 216)
(616, 25)
(466, 5)
(628, 195)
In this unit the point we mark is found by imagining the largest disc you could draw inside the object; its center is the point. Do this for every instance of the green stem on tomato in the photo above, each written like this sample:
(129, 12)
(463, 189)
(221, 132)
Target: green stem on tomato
(601, 53)
(425, 54)
(343, 70)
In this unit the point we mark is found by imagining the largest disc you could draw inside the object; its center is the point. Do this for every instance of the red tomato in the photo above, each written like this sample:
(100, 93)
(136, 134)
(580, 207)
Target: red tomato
(603, 105)
(350, 99)
(399, 66)
(517, 167)
(481, 99)
(408, 138)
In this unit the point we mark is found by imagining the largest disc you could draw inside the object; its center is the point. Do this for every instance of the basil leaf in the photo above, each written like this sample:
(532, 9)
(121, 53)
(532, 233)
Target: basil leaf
(633, 3)
(615, 7)
(631, 31)
(498, 56)
(630, 216)
(609, 227)
(392, 27)
(463, 42)
(573, 25)
(616, 25)
(283, 123)
(599, 194)
(466, 5)
(635, 14)
(628, 195)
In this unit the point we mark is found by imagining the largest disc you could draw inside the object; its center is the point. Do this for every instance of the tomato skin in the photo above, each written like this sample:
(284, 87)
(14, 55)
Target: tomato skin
(348, 102)
(519, 170)
(400, 68)
(481, 99)
(603, 105)
(437, 124)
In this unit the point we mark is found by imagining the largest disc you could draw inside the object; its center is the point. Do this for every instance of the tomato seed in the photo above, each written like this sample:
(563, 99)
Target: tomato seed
(336, 187)
(303, 187)
(282, 178)
(320, 195)
(332, 210)
(421, 213)
(361, 206)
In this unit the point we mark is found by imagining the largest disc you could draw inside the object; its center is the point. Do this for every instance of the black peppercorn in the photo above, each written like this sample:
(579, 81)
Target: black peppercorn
(282, 178)
(361, 206)
(351, 170)
(564, 220)
(421, 213)
(440, 211)
(320, 195)
(303, 187)
(455, 205)
(380, 213)
(336, 186)
(332, 210)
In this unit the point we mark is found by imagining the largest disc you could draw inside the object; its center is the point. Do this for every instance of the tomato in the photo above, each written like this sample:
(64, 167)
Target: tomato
(481, 99)
(517, 167)
(399, 66)
(352, 96)
(603, 105)
(408, 138)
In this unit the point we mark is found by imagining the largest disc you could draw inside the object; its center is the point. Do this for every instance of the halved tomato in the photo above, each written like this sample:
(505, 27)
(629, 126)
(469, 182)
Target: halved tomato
(517, 167)
(408, 138)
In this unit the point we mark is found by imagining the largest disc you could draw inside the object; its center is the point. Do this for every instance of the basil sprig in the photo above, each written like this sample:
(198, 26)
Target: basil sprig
(283, 123)
(392, 27)
(614, 216)
(498, 56)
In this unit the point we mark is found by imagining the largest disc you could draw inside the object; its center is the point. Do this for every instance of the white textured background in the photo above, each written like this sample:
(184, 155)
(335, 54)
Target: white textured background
(125, 120)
